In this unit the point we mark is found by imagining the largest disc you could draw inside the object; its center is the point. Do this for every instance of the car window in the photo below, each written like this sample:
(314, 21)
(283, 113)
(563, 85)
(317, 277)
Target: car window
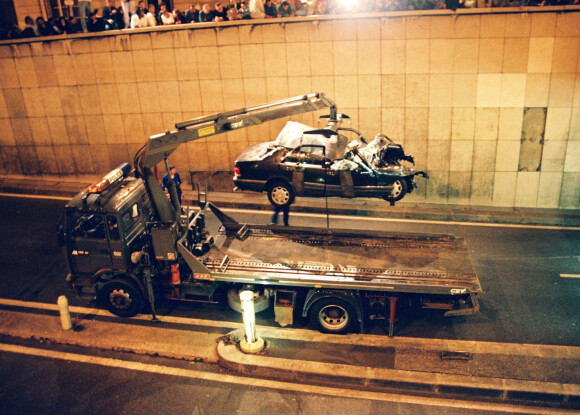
(113, 228)
(306, 154)
(292, 157)
(130, 216)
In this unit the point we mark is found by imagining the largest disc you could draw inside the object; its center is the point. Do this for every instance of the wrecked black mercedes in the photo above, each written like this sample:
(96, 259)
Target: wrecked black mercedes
(304, 161)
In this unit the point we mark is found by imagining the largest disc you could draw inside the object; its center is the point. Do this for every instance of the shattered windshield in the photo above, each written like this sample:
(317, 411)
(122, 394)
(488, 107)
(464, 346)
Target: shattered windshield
(292, 136)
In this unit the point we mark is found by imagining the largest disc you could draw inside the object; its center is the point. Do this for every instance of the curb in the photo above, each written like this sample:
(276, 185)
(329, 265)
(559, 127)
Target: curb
(371, 209)
(230, 357)
(99, 335)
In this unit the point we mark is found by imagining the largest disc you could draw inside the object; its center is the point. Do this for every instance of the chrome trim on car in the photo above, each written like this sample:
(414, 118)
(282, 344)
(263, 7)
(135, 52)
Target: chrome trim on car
(249, 181)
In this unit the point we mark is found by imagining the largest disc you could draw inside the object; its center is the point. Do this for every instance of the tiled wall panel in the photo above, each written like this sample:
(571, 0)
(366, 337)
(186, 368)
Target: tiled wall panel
(451, 88)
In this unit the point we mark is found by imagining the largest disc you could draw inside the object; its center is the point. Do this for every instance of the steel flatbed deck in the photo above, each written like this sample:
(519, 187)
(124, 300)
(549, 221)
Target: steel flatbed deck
(341, 259)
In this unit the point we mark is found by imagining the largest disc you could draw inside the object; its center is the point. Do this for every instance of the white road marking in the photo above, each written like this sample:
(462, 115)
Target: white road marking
(273, 384)
(35, 196)
(570, 275)
(347, 217)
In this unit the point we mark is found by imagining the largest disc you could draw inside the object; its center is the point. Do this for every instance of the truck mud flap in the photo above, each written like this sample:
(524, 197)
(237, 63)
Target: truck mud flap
(298, 181)
(466, 311)
(346, 183)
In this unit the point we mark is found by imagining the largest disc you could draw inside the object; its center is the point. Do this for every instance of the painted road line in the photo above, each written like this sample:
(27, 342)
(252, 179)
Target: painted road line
(278, 385)
(35, 196)
(570, 275)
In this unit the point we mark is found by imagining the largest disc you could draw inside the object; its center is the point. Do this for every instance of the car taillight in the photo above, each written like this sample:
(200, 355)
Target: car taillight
(237, 171)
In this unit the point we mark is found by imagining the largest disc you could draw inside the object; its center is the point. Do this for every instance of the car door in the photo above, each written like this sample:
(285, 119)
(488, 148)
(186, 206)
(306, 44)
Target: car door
(307, 166)
(89, 248)
(365, 181)
(311, 161)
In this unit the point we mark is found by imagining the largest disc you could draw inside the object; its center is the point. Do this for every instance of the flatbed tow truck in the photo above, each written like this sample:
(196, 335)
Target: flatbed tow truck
(127, 245)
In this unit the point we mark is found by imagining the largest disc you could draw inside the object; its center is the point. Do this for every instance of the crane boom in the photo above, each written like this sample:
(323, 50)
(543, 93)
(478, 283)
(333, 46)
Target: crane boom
(160, 146)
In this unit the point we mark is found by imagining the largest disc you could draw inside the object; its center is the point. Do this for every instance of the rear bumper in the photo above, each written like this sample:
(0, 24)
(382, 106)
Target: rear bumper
(253, 185)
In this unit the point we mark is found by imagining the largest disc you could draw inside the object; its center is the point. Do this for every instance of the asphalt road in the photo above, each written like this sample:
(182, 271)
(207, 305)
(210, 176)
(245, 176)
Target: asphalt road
(524, 298)
(40, 385)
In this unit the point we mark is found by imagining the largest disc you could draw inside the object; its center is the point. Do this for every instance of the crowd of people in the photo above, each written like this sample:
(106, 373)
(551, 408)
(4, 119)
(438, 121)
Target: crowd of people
(132, 14)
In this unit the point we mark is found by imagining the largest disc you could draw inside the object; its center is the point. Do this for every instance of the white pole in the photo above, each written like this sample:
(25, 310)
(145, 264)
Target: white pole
(248, 315)
(65, 319)
(250, 343)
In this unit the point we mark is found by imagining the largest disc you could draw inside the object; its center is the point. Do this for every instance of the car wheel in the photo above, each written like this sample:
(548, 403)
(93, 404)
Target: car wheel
(333, 315)
(398, 192)
(280, 194)
(122, 298)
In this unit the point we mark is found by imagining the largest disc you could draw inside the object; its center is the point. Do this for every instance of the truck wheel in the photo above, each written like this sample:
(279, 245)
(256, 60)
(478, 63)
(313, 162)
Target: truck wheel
(261, 302)
(122, 298)
(280, 194)
(398, 192)
(333, 315)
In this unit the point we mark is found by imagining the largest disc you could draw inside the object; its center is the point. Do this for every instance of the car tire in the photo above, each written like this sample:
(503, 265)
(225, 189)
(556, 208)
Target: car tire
(398, 192)
(280, 194)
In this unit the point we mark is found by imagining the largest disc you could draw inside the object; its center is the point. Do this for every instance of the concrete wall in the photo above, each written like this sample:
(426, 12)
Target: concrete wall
(452, 88)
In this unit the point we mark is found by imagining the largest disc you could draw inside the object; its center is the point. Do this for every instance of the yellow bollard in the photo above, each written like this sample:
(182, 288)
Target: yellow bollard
(65, 319)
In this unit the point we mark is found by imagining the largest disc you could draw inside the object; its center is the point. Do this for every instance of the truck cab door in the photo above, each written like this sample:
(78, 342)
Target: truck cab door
(115, 243)
(88, 247)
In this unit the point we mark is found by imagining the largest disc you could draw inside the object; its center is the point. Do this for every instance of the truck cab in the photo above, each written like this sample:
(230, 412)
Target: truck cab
(103, 226)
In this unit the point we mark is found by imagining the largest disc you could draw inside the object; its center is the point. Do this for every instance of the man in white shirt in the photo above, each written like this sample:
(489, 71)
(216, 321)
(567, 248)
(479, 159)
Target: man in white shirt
(167, 18)
(139, 19)
(151, 19)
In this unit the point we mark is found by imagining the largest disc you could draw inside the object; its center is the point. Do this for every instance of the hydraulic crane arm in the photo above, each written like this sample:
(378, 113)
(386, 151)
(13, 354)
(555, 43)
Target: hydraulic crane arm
(160, 146)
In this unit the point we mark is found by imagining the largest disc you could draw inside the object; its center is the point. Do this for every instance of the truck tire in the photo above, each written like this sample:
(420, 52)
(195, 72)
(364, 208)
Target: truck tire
(333, 315)
(280, 194)
(398, 192)
(122, 298)
(261, 302)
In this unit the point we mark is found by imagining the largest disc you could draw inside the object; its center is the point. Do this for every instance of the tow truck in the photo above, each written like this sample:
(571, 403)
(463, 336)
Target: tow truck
(127, 244)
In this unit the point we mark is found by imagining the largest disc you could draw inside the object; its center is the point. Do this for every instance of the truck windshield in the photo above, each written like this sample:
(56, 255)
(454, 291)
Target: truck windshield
(89, 225)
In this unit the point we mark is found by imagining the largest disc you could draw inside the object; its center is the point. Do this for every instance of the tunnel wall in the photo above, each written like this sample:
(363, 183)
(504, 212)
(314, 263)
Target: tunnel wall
(487, 102)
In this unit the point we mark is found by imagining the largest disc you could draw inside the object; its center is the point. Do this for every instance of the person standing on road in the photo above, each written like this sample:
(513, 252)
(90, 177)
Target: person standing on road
(176, 179)
(285, 209)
